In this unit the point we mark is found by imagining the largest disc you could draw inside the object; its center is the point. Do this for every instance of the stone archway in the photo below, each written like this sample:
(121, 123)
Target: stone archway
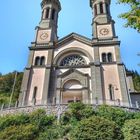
(72, 85)
(72, 92)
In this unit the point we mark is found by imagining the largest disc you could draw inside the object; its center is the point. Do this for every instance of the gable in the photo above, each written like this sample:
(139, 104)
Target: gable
(73, 45)
(74, 36)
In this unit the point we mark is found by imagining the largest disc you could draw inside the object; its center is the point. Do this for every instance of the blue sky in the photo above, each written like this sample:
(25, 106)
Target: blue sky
(19, 19)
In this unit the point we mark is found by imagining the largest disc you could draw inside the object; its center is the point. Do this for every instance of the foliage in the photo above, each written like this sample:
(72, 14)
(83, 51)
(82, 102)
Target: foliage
(131, 129)
(40, 119)
(4, 98)
(115, 114)
(77, 111)
(96, 128)
(6, 84)
(13, 120)
(133, 15)
(23, 132)
(136, 79)
(49, 134)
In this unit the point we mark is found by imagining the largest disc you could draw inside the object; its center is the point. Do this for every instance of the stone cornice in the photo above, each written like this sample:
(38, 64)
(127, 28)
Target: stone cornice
(105, 43)
(42, 48)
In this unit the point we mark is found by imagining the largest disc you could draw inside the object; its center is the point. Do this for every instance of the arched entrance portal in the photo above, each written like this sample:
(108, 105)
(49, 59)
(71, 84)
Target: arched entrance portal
(72, 92)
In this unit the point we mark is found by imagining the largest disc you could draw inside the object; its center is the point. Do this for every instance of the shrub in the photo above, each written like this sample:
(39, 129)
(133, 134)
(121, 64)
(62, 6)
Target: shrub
(21, 132)
(77, 112)
(11, 120)
(131, 129)
(40, 119)
(115, 114)
(96, 128)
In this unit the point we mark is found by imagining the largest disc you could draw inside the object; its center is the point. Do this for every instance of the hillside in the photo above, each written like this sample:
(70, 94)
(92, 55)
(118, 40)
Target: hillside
(80, 122)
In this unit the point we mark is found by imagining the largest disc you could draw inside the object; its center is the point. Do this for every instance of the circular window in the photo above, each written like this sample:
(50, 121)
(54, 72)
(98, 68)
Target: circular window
(72, 60)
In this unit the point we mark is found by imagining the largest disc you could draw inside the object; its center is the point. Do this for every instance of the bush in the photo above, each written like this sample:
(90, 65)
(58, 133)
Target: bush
(77, 112)
(96, 128)
(21, 132)
(131, 129)
(11, 120)
(40, 118)
(115, 114)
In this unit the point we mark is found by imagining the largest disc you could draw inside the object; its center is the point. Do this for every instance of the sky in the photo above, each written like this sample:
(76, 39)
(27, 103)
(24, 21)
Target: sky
(18, 19)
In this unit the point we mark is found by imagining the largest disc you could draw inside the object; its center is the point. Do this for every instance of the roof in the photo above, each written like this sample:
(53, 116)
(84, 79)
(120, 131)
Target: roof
(74, 36)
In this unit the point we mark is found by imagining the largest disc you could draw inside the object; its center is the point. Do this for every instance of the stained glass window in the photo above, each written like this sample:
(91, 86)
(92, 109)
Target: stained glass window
(73, 60)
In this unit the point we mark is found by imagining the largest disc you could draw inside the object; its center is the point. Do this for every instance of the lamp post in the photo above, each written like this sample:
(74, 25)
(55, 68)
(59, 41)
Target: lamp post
(13, 88)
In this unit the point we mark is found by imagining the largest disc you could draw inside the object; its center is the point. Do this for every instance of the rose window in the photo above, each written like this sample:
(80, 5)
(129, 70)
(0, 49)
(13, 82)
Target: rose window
(72, 60)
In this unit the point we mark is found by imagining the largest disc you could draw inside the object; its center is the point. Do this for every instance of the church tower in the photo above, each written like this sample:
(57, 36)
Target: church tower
(37, 74)
(103, 25)
(108, 65)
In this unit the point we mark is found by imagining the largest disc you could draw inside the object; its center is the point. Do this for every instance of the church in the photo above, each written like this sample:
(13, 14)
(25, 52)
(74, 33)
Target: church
(75, 68)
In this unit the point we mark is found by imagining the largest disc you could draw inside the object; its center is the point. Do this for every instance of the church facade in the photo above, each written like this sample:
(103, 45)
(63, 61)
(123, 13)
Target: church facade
(75, 68)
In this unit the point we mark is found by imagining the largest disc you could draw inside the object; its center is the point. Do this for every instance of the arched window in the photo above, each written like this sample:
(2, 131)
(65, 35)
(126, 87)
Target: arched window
(53, 14)
(109, 57)
(73, 60)
(47, 13)
(111, 92)
(37, 61)
(95, 10)
(101, 8)
(42, 60)
(104, 57)
(34, 95)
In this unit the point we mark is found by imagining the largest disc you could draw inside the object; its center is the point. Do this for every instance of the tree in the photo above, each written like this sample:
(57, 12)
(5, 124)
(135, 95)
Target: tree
(133, 15)
(136, 81)
(115, 114)
(23, 132)
(6, 85)
(96, 128)
(77, 112)
(131, 129)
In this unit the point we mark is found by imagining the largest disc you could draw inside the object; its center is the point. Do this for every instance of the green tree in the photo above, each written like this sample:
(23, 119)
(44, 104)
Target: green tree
(115, 114)
(6, 85)
(77, 112)
(20, 132)
(133, 15)
(96, 128)
(131, 130)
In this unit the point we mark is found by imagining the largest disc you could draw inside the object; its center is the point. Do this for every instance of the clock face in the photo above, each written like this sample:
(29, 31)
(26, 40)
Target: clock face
(44, 36)
(104, 31)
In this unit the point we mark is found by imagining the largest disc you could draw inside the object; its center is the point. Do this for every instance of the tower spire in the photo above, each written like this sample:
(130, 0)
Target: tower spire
(49, 20)
(102, 17)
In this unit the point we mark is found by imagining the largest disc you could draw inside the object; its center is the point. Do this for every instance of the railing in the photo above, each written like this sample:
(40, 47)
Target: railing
(58, 109)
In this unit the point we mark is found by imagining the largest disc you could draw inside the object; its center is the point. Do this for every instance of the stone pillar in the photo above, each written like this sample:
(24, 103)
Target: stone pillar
(123, 84)
(104, 8)
(96, 80)
(98, 9)
(30, 59)
(44, 13)
(46, 85)
(85, 96)
(25, 81)
(117, 53)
